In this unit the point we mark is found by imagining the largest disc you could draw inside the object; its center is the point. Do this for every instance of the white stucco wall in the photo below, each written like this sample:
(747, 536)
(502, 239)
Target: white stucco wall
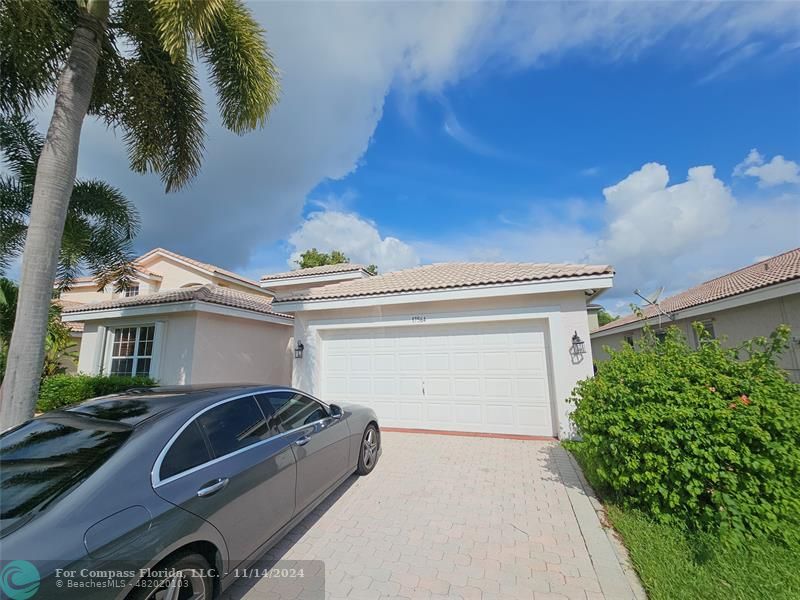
(736, 325)
(233, 350)
(564, 313)
(198, 347)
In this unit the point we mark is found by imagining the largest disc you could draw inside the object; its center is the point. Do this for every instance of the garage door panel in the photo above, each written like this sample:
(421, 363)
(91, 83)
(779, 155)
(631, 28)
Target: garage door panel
(500, 414)
(463, 387)
(437, 362)
(439, 412)
(410, 411)
(466, 361)
(495, 387)
(410, 363)
(383, 363)
(410, 387)
(498, 361)
(529, 361)
(489, 377)
(384, 386)
(438, 387)
(468, 413)
(360, 363)
(336, 363)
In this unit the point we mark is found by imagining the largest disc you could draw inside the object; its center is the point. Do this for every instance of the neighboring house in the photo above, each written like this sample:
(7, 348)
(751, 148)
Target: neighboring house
(738, 306)
(484, 347)
(160, 270)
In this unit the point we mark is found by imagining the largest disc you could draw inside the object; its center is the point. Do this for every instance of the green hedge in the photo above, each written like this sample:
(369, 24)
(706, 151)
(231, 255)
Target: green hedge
(698, 437)
(63, 390)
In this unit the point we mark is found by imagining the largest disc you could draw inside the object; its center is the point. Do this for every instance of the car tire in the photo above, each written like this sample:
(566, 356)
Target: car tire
(370, 449)
(193, 570)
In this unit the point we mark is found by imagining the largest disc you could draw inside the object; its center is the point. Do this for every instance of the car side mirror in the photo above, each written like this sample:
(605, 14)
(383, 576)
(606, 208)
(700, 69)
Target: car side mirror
(336, 411)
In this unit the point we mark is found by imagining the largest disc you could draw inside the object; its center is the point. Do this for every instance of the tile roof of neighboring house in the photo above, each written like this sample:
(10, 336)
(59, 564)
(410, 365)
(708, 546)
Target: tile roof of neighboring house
(323, 270)
(778, 269)
(210, 293)
(447, 276)
(201, 265)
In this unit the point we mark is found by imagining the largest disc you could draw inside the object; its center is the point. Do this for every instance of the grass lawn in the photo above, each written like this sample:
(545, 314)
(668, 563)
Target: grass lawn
(674, 564)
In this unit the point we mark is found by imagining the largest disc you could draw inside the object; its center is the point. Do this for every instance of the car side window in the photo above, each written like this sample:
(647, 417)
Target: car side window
(186, 452)
(233, 425)
(293, 409)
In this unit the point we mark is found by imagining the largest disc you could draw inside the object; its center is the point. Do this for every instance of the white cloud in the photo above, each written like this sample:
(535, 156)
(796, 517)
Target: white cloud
(654, 233)
(650, 220)
(359, 239)
(775, 172)
(338, 63)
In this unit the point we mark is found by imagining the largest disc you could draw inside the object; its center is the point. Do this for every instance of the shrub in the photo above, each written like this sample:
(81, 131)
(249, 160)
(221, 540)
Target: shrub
(696, 436)
(63, 390)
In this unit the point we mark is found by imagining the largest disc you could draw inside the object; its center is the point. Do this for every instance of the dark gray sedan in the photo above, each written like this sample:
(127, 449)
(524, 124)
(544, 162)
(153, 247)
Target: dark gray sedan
(179, 488)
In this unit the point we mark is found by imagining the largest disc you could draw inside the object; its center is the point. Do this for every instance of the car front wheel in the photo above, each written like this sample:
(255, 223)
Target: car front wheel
(370, 448)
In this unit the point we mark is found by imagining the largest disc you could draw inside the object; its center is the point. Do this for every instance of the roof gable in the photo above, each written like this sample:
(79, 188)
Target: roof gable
(207, 268)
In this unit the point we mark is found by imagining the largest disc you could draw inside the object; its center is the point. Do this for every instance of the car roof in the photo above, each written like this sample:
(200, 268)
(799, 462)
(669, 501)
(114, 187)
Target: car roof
(135, 406)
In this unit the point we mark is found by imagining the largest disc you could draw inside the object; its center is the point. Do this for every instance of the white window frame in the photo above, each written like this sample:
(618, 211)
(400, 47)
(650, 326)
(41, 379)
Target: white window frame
(131, 291)
(105, 368)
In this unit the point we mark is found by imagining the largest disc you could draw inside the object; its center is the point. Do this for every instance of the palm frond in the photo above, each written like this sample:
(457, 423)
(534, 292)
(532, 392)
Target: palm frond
(15, 204)
(21, 146)
(103, 203)
(242, 68)
(164, 116)
(34, 40)
(179, 24)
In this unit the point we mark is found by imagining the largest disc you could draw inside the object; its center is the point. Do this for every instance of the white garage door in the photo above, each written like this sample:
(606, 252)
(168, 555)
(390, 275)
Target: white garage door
(482, 377)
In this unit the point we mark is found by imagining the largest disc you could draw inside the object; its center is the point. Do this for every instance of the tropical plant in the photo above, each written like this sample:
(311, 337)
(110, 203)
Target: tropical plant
(59, 344)
(315, 258)
(604, 317)
(128, 62)
(100, 226)
(707, 438)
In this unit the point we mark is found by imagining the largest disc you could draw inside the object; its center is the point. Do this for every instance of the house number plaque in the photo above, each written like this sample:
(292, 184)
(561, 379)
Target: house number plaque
(417, 318)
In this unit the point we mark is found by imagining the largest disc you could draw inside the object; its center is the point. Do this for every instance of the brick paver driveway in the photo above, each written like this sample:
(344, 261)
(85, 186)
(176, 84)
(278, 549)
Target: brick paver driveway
(458, 517)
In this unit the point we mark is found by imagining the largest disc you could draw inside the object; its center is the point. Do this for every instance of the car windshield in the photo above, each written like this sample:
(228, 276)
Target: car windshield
(43, 459)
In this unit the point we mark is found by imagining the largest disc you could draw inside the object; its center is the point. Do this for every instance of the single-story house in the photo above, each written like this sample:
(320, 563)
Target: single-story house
(484, 347)
(749, 302)
(476, 347)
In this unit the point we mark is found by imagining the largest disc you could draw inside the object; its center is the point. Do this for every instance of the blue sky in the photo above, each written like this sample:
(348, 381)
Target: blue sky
(423, 132)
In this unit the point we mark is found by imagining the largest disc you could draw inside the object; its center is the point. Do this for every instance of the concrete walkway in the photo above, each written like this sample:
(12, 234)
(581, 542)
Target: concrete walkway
(458, 517)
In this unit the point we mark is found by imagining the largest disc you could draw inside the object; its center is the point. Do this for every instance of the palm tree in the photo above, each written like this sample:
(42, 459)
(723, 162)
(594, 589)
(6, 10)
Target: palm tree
(100, 226)
(128, 62)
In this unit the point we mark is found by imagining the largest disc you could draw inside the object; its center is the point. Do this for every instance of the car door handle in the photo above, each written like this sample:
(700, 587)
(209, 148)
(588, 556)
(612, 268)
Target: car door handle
(212, 487)
(303, 440)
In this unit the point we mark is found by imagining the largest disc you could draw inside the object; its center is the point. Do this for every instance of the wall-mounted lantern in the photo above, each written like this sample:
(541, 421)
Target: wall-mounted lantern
(298, 351)
(578, 345)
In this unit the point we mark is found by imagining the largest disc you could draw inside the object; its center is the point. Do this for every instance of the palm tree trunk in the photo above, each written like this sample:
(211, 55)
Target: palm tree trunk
(55, 177)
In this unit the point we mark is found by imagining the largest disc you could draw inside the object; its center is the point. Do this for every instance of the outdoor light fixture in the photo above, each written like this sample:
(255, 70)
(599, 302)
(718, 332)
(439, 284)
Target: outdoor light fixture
(298, 351)
(578, 345)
